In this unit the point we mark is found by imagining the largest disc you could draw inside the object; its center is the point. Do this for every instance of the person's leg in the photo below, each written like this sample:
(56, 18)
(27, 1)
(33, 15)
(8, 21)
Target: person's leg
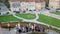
(20, 30)
(9, 28)
(17, 32)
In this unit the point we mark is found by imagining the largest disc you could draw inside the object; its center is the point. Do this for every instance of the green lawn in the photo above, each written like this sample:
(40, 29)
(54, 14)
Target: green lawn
(37, 33)
(7, 18)
(58, 13)
(49, 20)
(27, 16)
(43, 18)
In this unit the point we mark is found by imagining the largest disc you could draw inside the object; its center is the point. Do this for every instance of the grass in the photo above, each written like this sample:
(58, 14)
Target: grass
(27, 16)
(37, 33)
(49, 20)
(58, 13)
(7, 18)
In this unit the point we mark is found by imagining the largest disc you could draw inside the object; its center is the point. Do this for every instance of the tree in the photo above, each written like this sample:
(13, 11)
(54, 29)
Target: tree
(47, 3)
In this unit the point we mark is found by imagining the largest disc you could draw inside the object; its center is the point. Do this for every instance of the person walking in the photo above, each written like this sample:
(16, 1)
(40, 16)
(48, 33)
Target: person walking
(8, 25)
(18, 28)
(43, 29)
(0, 25)
(32, 27)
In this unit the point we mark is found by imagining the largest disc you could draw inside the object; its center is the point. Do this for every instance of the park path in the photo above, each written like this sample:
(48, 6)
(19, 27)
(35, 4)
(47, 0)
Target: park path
(47, 13)
(12, 31)
(35, 21)
(37, 16)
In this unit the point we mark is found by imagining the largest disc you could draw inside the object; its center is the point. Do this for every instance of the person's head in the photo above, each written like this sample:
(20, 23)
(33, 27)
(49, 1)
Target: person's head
(29, 24)
(18, 24)
(8, 24)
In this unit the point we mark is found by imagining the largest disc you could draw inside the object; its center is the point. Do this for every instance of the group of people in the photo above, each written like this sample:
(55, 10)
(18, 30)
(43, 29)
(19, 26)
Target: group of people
(29, 28)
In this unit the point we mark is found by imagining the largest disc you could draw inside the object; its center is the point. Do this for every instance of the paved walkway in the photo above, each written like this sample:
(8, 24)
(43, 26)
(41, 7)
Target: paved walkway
(37, 16)
(51, 15)
(52, 32)
(4, 31)
(12, 31)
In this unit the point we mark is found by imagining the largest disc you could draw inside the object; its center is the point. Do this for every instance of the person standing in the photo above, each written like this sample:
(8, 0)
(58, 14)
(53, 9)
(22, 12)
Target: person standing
(23, 29)
(18, 28)
(43, 29)
(32, 27)
(1, 28)
(0, 25)
(8, 25)
(26, 28)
